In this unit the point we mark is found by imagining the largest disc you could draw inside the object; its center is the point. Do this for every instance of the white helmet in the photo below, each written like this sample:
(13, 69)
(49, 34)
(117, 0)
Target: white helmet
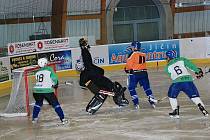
(79, 66)
(42, 62)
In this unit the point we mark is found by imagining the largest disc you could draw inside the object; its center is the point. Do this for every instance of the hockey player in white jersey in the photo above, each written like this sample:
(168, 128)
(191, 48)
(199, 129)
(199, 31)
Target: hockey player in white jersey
(46, 82)
(177, 69)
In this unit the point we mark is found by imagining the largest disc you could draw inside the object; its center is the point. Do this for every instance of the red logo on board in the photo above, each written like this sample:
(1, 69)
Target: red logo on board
(11, 48)
(40, 45)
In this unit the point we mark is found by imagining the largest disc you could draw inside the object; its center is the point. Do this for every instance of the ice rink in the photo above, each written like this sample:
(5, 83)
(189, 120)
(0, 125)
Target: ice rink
(112, 122)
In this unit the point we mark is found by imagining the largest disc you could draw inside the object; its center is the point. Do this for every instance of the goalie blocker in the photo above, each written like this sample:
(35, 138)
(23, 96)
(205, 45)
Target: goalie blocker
(100, 96)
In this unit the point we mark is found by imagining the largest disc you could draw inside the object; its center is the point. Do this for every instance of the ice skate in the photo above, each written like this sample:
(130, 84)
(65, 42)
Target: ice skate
(35, 120)
(64, 122)
(152, 101)
(203, 110)
(175, 113)
(136, 107)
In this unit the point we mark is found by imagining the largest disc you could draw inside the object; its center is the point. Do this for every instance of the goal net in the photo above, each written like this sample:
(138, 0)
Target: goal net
(21, 96)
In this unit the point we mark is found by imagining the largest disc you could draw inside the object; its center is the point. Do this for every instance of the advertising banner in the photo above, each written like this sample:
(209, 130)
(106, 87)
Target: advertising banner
(5, 73)
(52, 44)
(37, 46)
(23, 61)
(117, 53)
(61, 56)
(155, 50)
(99, 55)
(21, 47)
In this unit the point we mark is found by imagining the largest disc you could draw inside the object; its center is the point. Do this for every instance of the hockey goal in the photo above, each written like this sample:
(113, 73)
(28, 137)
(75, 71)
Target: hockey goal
(21, 93)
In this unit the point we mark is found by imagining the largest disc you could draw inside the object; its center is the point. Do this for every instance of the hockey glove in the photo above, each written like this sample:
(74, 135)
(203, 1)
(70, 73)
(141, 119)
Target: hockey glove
(199, 74)
(126, 71)
(55, 86)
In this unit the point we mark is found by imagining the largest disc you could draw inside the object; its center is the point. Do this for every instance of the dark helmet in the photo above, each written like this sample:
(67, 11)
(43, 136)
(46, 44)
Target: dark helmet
(83, 43)
(136, 45)
(171, 54)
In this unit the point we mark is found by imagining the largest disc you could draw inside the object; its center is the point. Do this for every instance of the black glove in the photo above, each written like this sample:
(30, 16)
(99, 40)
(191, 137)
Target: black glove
(55, 86)
(126, 71)
(199, 74)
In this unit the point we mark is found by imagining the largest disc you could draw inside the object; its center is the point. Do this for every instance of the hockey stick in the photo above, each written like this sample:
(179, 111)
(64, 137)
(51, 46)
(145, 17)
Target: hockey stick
(162, 99)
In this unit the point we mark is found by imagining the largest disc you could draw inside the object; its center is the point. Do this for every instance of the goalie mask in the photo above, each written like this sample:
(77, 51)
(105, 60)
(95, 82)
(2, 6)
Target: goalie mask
(42, 62)
(79, 66)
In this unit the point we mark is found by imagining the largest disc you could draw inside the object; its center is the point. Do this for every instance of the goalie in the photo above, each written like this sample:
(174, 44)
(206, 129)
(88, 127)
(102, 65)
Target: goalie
(93, 78)
(177, 69)
(46, 80)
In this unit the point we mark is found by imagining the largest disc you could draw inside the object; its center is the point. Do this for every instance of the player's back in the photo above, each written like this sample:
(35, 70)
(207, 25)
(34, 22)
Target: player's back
(137, 61)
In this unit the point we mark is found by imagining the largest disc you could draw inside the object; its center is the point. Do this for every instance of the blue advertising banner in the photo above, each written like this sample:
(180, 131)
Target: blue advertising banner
(155, 50)
(64, 56)
(117, 53)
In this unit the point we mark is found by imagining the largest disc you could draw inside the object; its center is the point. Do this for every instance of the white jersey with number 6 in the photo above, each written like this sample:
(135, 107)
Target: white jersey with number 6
(177, 70)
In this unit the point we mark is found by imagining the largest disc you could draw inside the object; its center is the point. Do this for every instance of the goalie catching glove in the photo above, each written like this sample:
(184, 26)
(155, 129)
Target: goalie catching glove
(199, 74)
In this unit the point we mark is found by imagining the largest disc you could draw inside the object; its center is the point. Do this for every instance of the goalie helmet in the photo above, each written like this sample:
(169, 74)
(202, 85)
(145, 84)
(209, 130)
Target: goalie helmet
(79, 66)
(42, 62)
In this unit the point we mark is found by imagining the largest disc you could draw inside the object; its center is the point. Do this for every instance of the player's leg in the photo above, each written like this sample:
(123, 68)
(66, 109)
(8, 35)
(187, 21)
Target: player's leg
(144, 82)
(172, 94)
(98, 99)
(37, 107)
(192, 92)
(52, 99)
(132, 82)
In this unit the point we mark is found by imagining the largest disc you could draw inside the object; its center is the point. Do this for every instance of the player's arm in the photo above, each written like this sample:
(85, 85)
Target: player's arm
(54, 77)
(190, 65)
(193, 67)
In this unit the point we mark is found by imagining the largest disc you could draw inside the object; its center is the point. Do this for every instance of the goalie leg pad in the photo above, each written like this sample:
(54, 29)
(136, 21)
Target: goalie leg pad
(95, 103)
(119, 97)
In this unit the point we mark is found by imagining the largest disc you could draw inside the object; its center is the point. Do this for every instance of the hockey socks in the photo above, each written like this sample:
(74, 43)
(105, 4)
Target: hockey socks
(173, 102)
(36, 110)
(59, 111)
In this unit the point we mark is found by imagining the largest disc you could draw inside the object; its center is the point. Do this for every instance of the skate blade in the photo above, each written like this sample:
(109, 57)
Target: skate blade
(206, 115)
(175, 117)
(153, 106)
